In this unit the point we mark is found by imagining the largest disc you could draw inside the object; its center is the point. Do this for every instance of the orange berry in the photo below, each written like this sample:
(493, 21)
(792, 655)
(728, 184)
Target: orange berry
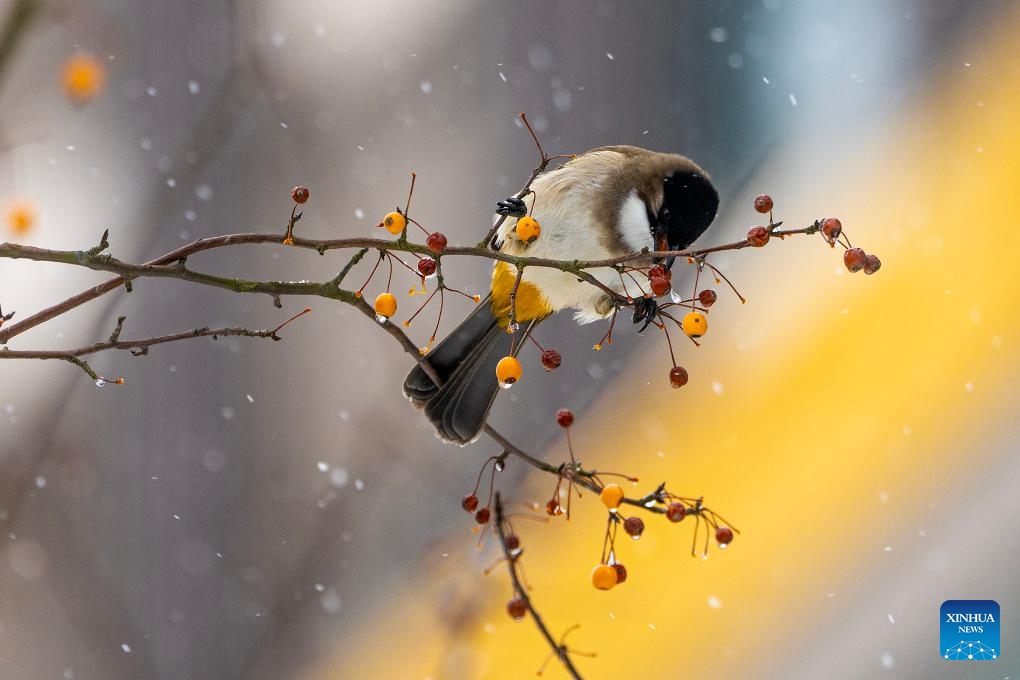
(20, 217)
(508, 371)
(603, 577)
(694, 324)
(528, 229)
(612, 496)
(82, 78)
(385, 307)
(394, 222)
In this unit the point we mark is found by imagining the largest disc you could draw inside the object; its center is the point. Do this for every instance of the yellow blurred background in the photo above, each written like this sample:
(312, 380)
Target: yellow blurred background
(860, 431)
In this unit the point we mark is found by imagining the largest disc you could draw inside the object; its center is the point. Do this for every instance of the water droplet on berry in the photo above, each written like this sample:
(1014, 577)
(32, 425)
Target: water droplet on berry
(675, 296)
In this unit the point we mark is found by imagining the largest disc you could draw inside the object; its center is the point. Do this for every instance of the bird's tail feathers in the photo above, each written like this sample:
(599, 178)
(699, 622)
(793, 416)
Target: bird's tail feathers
(465, 363)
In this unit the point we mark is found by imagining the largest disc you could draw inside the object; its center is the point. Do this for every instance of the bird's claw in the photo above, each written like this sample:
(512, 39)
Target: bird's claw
(512, 207)
(645, 310)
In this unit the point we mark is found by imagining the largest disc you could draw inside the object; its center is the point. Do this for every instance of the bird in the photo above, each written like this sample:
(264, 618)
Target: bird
(607, 202)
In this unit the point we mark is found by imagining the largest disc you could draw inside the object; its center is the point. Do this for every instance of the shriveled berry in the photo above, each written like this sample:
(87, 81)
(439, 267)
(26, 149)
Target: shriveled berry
(469, 503)
(528, 229)
(603, 577)
(676, 511)
(757, 236)
(621, 573)
(855, 259)
(763, 203)
(483, 516)
(831, 229)
(508, 371)
(517, 609)
(872, 264)
(612, 496)
(707, 297)
(426, 266)
(634, 526)
(394, 223)
(660, 286)
(436, 242)
(678, 377)
(551, 359)
(553, 508)
(724, 536)
(694, 324)
(300, 194)
(565, 417)
(660, 272)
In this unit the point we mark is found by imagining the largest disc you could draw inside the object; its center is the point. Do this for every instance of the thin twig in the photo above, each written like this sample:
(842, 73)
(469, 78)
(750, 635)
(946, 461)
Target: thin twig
(560, 650)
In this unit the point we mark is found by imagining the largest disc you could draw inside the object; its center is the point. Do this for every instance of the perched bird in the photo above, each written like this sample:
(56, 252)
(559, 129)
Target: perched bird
(608, 202)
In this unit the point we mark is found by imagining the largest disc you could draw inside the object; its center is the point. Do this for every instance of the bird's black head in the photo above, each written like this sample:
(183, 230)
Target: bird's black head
(689, 204)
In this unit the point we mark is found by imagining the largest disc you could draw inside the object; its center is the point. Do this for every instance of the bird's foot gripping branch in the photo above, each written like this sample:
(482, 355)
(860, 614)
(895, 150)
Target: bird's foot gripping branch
(649, 208)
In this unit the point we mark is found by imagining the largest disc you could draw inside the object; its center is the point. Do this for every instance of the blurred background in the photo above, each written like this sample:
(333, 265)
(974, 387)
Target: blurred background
(248, 509)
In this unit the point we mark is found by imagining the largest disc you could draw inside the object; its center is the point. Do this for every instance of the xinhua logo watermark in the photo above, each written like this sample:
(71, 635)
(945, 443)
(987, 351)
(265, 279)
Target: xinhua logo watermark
(970, 630)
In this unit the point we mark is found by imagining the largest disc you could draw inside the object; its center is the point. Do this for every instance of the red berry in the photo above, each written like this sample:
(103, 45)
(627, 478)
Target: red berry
(831, 229)
(551, 360)
(707, 297)
(483, 515)
(470, 503)
(436, 242)
(757, 236)
(677, 377)
(660, 272)
(427, 266)
(855, 259)
(299, 194)
(634, 526)
(621, 573)
(553, 508)
(872, 264)
(517, 609)
(512, 543)
(724, 535)
(660, 286)
(565, 417)
(763, 203)
(676, 511)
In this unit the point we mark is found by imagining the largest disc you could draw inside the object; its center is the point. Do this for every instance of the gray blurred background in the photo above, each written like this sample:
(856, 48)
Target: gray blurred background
(239, 506)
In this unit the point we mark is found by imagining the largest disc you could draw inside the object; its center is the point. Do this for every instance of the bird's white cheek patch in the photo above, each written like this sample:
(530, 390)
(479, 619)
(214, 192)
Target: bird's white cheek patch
(633, 224)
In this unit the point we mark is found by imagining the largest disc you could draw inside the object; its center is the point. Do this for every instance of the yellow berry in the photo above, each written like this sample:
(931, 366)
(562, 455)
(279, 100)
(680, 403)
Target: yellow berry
(612, 496)
(528, 229)
(20, 217)
(394, 223)
(603, 577)
(508, 371)
(82, 78)
(385, 306)
(694, 324)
